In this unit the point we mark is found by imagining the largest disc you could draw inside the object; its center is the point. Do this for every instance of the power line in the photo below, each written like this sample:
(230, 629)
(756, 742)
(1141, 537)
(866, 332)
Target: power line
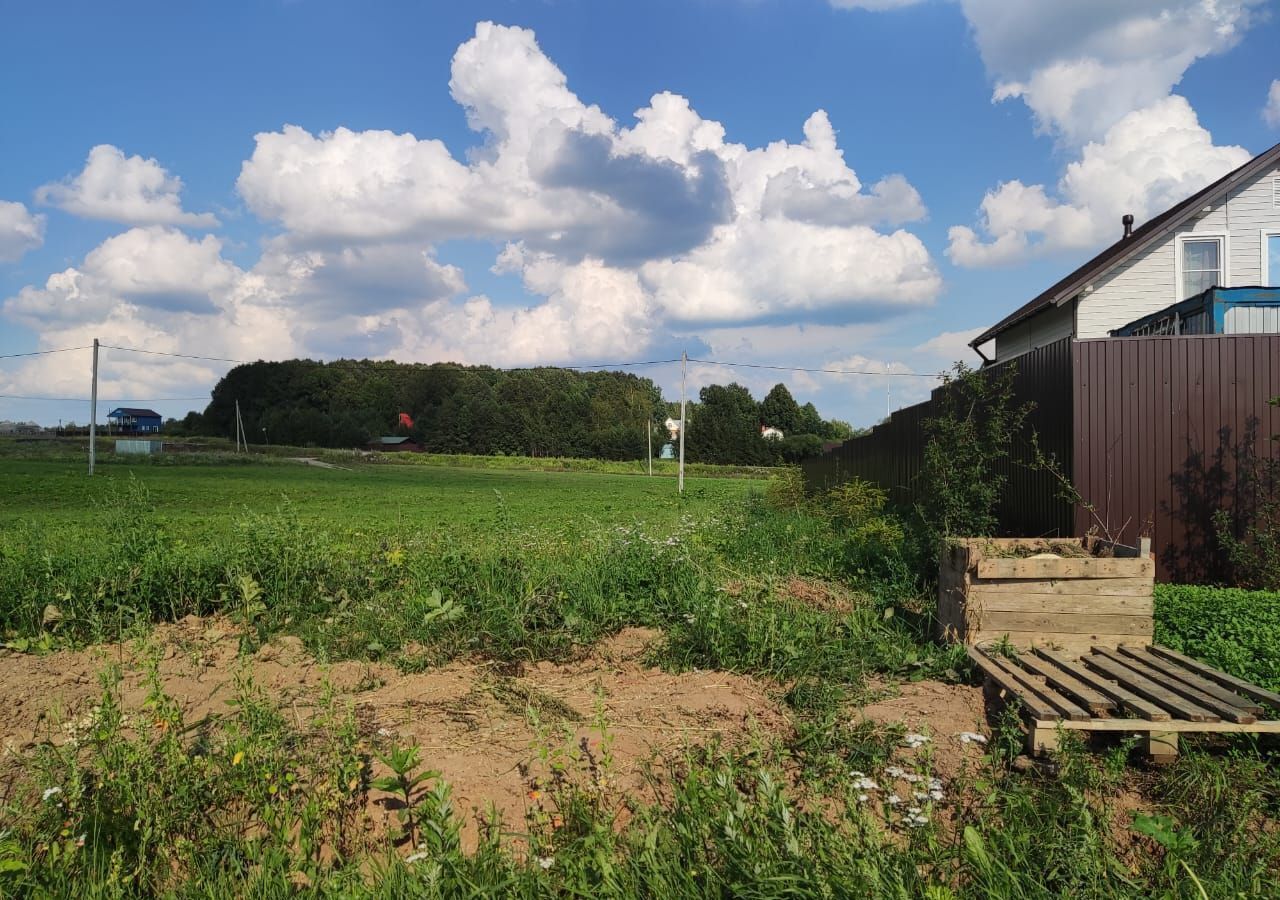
(53, 399)
(713, 362)
(180, 355)
(103, 401)
(41, 352)
(354, 362)
(388, 362)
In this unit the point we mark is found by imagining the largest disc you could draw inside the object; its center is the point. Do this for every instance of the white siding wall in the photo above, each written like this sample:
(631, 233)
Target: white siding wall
(1050, 325)
(1147, 282)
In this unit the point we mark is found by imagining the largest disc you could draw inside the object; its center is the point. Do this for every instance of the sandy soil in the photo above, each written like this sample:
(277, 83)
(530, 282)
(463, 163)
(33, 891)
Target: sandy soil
(470, 719)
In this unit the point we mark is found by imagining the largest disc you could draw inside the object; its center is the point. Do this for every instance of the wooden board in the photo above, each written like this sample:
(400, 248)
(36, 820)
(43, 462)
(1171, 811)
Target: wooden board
(1058, 604)
(1075, 643)
(1028, 684)
(1239, 685)
(1094, 700)
(1205, 701)
(1149, 690)
(1267, 726)
(1127, 587)
(1036, 706)
(1138, 626)
(1174, 670)
(1128, 700)
(1066, 568)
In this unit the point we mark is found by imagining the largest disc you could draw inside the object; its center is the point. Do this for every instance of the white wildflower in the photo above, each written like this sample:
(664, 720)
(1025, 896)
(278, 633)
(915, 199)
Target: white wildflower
(914, 741)
(894, 800)
(935, 784)
(416, 857)
(866, 784)
(894, 771)
(862, 798)
(935, 794)
(916, 820)
(50, 792)
(919, 795)
(912, 778)
(546, 861)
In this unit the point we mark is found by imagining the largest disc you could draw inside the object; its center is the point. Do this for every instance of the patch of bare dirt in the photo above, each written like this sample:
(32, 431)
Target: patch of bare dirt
(820, 595)
(945, 713)
(470, 718)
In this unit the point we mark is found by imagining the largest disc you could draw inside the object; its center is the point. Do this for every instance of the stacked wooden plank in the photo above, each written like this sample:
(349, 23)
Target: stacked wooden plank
(1134, 688)
(989, 588)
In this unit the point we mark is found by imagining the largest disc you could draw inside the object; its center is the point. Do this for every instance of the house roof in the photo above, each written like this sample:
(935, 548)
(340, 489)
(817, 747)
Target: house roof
(134, 411)
(392, 439)
(1123, 249)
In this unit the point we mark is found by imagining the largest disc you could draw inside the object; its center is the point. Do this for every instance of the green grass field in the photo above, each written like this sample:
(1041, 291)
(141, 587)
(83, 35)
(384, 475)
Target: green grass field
(509, 562)
(202, 499)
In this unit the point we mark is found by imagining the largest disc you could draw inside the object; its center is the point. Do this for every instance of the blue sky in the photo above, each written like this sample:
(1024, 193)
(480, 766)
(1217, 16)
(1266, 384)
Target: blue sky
(458, 190)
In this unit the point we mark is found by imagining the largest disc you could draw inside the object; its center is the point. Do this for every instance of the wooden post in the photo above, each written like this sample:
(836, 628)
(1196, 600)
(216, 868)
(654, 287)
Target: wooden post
(1042, 737)
(1162, 746)
(93, 411)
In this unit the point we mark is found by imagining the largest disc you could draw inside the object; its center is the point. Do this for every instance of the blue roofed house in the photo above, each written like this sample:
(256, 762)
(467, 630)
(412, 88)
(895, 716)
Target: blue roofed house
(1208, 265)
(131, 420)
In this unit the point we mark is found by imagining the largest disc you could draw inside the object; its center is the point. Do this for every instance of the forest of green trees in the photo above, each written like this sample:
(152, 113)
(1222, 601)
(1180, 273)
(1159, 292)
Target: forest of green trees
(477, 409)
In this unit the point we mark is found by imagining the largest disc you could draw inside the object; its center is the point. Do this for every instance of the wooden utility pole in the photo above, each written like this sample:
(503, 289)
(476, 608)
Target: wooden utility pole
(93, 411)
(684, 365)
(648, 436)
(240, 435)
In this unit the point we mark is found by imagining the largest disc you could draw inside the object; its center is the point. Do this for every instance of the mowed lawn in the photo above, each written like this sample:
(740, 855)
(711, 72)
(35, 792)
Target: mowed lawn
(203, 499)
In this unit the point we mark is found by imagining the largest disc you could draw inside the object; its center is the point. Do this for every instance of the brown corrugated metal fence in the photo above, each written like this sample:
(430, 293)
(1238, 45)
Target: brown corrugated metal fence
(1150, 429)
(892, 454)
(1161, 424)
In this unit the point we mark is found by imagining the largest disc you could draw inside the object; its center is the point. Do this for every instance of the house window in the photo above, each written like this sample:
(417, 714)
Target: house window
(1201, 265)
(1271, 259)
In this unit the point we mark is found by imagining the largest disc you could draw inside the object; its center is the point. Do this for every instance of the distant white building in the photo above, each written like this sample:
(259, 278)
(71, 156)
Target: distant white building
(769, 433)
(673, 427)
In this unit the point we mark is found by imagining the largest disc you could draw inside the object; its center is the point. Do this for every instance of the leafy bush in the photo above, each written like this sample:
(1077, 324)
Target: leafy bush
(1235, 630)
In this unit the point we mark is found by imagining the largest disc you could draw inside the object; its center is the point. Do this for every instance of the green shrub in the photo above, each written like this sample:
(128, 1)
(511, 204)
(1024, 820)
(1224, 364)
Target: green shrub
(1235, 630)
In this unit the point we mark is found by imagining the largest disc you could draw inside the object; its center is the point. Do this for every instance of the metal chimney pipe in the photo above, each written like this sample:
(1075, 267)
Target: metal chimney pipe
(1127, 221)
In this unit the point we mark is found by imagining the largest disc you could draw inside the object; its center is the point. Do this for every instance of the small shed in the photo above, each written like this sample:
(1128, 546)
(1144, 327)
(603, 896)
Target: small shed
(395, 444)
(132, 420)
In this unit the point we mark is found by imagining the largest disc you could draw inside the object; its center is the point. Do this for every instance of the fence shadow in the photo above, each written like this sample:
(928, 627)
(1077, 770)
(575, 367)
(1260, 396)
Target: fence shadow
(1209, 480)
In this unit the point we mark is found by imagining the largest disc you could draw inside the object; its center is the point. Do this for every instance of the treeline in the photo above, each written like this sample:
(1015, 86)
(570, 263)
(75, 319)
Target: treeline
(482, 410)
(725, 427)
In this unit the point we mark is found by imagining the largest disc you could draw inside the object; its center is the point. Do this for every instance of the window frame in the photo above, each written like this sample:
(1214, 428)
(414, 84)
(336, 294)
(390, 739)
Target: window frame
(1224, 258)
(1264, 261)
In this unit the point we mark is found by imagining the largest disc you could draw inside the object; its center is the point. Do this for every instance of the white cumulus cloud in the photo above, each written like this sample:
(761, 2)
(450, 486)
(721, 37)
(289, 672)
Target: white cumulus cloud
(1147, 162)
(20, 230)
(619, 233)
(1271, 109)
(1081, 67)
(126, 189)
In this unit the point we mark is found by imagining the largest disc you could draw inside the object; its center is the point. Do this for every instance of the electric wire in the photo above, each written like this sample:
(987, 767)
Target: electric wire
(42, 352)
(741, 365)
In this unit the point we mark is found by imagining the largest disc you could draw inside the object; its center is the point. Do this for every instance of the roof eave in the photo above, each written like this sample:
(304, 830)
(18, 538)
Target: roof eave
(1090, 273)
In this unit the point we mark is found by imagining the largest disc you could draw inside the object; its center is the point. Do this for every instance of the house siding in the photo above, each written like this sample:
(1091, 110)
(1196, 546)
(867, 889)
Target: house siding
(1148, 282)
(1041, 330)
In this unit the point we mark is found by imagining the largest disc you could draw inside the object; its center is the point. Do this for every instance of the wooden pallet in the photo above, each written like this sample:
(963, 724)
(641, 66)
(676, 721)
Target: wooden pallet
(1144, 689)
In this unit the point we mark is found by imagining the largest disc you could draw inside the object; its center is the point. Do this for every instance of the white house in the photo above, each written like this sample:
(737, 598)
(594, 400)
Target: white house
(1227, 235)
(769, 433)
